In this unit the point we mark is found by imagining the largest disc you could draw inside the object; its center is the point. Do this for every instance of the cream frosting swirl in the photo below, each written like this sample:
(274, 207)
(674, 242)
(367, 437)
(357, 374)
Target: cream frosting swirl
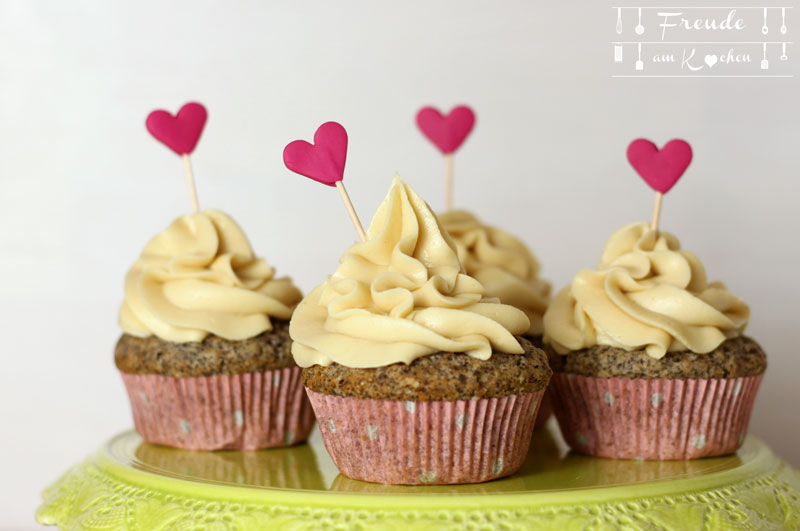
(646, 293)
(502, 263)
(200, 277)
(400, 295)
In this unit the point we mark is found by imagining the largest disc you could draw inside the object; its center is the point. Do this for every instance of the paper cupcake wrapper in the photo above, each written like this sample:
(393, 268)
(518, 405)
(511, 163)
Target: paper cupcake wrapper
(545, 410)
(655, 419)
(427, 442)
(225, 412)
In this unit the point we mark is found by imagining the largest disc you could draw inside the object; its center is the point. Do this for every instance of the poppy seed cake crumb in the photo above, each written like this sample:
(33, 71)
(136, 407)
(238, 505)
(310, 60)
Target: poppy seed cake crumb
(440, 376)
(733, 358)
(214, 355)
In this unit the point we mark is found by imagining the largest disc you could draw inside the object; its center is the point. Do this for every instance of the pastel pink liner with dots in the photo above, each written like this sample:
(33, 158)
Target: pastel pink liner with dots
(426, 442)
(654, 419)
(223, 412)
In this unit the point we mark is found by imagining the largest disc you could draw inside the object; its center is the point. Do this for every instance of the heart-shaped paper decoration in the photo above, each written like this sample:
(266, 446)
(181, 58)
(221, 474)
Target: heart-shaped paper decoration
(662, 168)
(323, 160)
(446, 132)
(179, 133)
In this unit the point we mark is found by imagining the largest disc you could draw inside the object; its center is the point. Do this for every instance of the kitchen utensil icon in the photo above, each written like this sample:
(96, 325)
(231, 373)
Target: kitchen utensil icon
(764, 28)
(783, 21)
(639, 29)
(784, 57)
(639, 63)
(619, 20)
(618, 53)
(764, 62)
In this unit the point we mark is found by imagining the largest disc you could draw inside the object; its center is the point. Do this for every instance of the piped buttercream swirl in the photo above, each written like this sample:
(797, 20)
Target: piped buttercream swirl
(502, 263)
(400, 295)
(647, 293)
(200, 277)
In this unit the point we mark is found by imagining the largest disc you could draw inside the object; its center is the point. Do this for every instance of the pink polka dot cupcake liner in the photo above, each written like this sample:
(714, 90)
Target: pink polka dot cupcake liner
(224, 412)
(658, 419)
(426, 442)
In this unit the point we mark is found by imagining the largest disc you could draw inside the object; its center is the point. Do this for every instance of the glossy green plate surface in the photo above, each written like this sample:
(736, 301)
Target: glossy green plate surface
(129, 484)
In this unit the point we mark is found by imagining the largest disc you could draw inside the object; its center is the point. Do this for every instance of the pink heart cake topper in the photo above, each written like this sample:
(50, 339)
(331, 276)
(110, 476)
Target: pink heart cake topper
(446, 132)
(662, 168)
(180, 133)
(323, 160)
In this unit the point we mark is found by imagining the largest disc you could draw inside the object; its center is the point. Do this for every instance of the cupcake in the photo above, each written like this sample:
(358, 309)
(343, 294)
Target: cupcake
(415, 375)
(507, 270)
(649, 357)
(205, 350)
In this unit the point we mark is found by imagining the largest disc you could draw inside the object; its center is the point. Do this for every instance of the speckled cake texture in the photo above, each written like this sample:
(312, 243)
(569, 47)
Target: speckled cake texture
(736, 357)
(406, 442)
(441, 376)
(214, 355)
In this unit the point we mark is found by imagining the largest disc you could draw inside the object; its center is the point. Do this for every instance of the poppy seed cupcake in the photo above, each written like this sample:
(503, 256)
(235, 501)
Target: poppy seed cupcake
(507, 270)
(415, 375)
(205, 353)
(649, 357)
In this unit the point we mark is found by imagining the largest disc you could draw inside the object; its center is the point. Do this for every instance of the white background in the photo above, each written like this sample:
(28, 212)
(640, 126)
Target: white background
(83, 186)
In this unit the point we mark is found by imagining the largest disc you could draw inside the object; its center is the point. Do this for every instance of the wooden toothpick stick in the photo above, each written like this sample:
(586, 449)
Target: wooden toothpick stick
(190, 181)
(448, 181)
(447, 133)
(180, 133)
(656, 211)
(351, 210)
(323, 162)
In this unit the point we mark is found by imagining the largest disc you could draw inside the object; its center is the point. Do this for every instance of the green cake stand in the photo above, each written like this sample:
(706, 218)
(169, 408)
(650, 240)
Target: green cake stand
(129, 484)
